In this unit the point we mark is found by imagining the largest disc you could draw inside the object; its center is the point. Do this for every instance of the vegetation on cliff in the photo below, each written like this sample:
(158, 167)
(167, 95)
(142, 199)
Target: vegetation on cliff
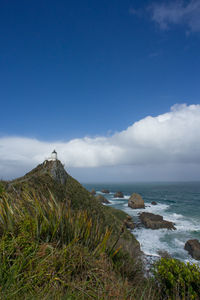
(57, 241)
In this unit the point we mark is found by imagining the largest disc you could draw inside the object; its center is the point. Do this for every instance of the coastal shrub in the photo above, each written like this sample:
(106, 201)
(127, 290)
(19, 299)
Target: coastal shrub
(177, 280)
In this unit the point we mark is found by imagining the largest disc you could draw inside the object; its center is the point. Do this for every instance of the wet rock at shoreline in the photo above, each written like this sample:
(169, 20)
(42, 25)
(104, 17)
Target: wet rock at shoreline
(164, 254)
(136, 201)
(193, 247)
(118, 195)
(102, 199)
(152, 221)
(154, 203)
(105, 191)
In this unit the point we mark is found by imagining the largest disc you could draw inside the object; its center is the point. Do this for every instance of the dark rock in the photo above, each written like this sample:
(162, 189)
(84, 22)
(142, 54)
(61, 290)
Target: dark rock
(155, 221)
(93, 192)
(128, 222)
(102, 199)
(164, 254)
(136, 201)
(193, 247)
(118, 195)
(105, 191)
(154, 203)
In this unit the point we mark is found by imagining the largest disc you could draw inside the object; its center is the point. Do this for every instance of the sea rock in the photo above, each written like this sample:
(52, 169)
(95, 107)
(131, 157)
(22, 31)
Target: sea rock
(193, 247)
(136, 201)
(152, 221)
(118, 195)
(105, 191)
(102, 199)
(154, 203)
(164, 254)
(128, 222)
(93, 192)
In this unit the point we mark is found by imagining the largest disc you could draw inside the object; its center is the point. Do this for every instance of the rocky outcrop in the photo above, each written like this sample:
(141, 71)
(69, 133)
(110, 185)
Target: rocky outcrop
(93, 192)
(154, 203)
(118, 195)
(152, 221)
(193, 247)
(58, 172)
(102, 199)
(105, 191)
(136, 201)
(128, 222)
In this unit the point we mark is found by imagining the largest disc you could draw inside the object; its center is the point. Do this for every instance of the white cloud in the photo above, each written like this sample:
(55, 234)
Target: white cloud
(170, 138)
(177, 12)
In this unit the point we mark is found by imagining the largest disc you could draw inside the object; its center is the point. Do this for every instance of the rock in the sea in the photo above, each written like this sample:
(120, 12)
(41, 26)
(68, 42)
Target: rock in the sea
(136, 201)
(193, 247)
(154, 203)
(155, 221)
(118, 195)
(93, 192)
(105, 191)
(164, 254)
(102, 199)
(128, 222)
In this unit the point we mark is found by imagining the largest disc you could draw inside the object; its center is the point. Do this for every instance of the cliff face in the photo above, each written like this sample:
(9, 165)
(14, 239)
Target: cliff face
(54, 169)
(51, 177)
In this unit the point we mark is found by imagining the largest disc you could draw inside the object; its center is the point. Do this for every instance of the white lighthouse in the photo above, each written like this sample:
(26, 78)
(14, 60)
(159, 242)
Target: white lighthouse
(53, 156)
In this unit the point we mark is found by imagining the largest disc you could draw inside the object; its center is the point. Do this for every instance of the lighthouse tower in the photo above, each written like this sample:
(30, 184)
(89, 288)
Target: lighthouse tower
(54, 155)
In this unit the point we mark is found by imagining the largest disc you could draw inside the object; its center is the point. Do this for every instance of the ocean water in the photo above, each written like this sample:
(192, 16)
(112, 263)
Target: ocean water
(176, 202)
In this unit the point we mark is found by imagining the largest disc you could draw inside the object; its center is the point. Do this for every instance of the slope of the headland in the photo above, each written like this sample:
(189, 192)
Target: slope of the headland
(51, 177)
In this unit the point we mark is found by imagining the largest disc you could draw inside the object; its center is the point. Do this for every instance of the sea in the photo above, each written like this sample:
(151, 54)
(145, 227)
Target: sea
(178, 202)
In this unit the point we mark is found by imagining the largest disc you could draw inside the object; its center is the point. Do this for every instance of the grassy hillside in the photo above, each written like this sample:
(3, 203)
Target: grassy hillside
(58, 242)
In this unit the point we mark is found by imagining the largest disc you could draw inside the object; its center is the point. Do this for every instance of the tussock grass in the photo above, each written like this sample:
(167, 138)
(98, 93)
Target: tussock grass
(49, 251)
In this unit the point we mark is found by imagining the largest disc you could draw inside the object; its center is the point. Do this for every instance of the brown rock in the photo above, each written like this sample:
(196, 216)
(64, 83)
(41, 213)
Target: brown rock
(136, 201)
(128, 222)
(118, 195)
(102, 199)
(193, 247)
(93, 192)
(155, 221)
(154, 203)
(105, 191)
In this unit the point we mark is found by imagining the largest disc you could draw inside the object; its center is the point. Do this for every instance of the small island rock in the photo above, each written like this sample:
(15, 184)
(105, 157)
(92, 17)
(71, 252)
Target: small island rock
(152, 221)
(154, 203)
(105, 191)
(118, 195)
(102, 199)
(136, 201)
(193, 247)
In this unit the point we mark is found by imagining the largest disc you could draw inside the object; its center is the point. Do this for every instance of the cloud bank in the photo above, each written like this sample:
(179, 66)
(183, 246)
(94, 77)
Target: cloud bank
(167, 139)
(177, 12)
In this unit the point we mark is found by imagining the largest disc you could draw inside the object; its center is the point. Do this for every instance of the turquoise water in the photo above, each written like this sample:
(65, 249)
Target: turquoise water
(177, 202)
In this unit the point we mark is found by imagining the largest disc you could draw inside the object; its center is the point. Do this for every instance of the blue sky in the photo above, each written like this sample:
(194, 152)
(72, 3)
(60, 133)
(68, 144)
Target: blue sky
(76, 69)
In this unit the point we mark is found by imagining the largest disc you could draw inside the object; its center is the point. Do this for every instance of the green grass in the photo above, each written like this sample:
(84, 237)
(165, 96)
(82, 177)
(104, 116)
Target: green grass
(49, 251)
